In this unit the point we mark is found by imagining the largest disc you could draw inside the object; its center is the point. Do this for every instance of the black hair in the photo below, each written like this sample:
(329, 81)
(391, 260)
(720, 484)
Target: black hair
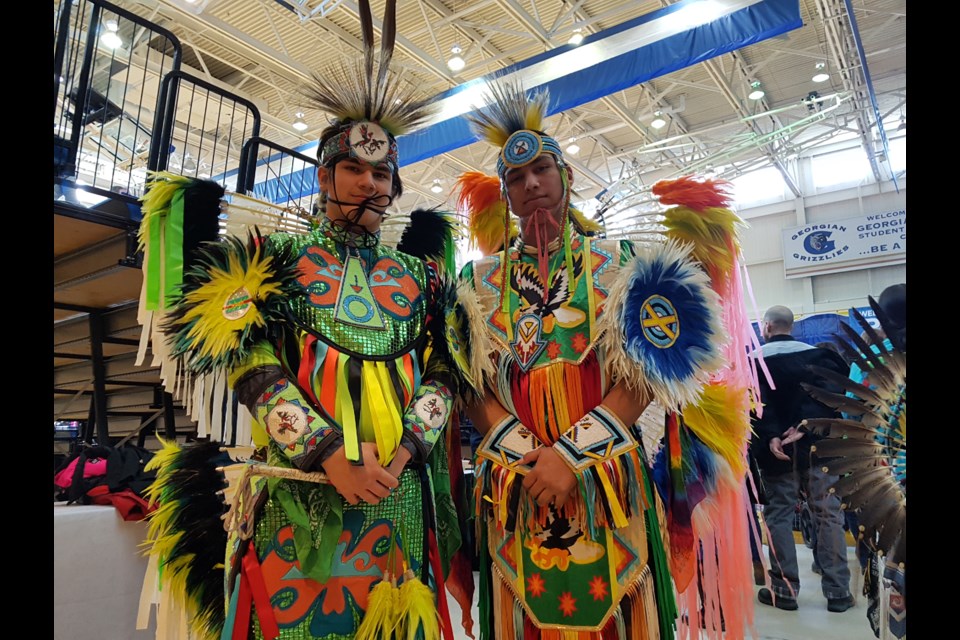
(893, 302)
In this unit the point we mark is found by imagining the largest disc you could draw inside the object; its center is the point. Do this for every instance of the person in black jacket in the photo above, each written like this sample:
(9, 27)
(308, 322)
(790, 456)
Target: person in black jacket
(783, 454)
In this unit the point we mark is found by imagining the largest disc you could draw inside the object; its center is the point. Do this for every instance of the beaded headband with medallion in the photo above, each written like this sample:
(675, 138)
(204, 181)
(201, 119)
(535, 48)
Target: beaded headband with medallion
(523, 147)
(365, 141)
(514, 123)
(371, 104)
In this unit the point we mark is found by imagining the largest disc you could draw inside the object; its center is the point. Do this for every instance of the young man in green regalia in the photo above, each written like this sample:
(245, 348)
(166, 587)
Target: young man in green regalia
(331, 340)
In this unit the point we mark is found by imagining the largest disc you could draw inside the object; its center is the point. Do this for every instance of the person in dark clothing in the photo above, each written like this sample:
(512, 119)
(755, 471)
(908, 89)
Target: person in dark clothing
(783, 455)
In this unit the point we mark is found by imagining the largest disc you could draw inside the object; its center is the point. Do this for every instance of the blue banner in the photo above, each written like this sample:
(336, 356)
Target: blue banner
(647, 47)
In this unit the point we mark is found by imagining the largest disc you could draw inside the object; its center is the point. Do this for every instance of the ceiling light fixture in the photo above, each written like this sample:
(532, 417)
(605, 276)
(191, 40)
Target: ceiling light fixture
(903, 124)
(456, 63)
(300, 124)
(576, 38)
(436, 188)
(109, 38)
(821, 75)
(755, 91)
(573, 148)
(658, 122)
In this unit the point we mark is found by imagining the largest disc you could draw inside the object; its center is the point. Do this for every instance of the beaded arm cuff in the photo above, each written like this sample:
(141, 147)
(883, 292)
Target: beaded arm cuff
(426, 416)
(507, 442)
(596, 437)
(299, 430)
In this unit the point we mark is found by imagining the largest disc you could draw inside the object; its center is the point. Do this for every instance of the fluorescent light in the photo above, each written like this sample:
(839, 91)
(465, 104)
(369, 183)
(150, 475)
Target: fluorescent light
(658, 122)
(756, 92)
(576, 38)
(456, 63)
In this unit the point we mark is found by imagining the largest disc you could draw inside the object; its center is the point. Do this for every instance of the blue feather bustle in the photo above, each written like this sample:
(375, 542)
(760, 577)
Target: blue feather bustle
(660, 287)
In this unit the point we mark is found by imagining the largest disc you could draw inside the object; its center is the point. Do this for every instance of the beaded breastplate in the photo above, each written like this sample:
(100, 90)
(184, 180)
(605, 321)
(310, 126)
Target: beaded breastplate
(368, 302)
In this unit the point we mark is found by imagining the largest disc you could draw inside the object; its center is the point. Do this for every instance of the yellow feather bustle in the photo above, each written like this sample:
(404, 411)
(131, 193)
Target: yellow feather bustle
(587, 225)
(214, 332)
(162, 538)
(711, 231)
(481, 201)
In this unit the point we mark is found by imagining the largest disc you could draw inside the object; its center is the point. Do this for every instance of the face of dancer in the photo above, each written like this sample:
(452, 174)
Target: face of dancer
(537, 185)
(357, 192)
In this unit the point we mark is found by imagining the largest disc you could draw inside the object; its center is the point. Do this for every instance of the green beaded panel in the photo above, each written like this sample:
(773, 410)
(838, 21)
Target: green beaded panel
(362, 540)
(397, 282)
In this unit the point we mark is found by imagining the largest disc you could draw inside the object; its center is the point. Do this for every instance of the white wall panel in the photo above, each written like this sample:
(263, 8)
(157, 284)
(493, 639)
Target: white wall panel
(761, 241)
(763, 251)
(770, 288)
(840, 291)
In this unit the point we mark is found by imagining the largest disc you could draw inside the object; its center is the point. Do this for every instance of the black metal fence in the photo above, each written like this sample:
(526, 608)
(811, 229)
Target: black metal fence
(202, 129)
(108, 65)
(277, 174)
(123, 107)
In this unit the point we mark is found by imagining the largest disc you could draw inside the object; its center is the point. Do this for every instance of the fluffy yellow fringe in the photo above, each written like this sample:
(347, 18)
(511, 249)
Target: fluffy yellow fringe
(719, 419)
(417, 610)
(214, 333)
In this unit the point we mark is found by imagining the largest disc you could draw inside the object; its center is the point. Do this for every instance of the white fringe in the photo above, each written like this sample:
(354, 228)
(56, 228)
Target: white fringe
(481, 365)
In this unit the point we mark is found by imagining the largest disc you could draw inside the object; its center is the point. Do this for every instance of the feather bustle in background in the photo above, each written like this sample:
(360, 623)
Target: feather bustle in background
(867, 448)
(431, 235)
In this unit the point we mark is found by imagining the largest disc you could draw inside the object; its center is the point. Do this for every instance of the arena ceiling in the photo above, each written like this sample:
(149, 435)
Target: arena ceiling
(265, 50)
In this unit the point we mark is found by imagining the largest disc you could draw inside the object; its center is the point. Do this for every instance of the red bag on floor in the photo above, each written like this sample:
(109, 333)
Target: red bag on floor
(121, 483)
(130, 505)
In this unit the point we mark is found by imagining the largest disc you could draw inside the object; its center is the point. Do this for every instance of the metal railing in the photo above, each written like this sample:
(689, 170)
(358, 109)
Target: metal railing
(277, 174)
(202, 129)
(108, 63)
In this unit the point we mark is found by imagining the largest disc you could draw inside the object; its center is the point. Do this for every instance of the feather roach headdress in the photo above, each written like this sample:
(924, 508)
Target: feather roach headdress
(514, 123)
(370, 103)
